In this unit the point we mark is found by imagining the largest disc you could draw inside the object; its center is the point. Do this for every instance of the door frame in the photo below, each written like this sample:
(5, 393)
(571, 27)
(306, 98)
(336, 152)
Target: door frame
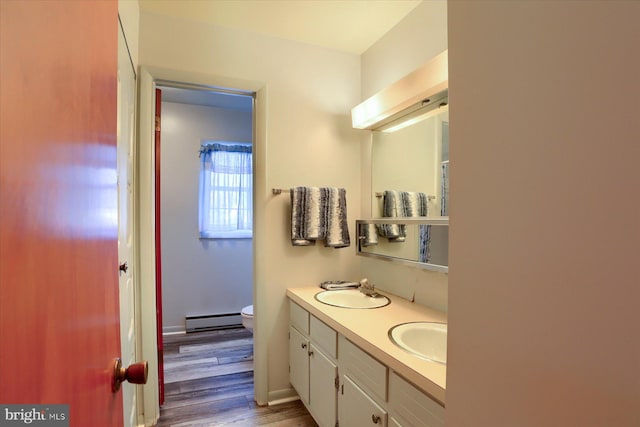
(133, 316)
(145, 220)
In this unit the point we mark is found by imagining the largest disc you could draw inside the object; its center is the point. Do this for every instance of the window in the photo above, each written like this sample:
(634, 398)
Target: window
(226, 191)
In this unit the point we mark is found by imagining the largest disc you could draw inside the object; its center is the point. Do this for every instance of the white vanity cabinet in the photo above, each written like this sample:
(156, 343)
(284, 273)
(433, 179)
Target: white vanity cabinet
(313, 371)
(342, 385)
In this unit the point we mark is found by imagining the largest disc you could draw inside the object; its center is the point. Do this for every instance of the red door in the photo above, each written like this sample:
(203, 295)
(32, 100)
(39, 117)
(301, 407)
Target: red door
(158, 249)
(59, 318)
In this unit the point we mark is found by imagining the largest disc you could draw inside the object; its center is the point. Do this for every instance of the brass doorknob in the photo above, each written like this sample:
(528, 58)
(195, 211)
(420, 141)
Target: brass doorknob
(135, 374)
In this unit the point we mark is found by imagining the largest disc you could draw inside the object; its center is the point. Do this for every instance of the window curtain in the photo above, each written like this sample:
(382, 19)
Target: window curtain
(226, 191)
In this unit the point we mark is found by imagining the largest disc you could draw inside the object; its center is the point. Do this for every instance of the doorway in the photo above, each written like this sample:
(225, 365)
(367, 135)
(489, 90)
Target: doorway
(206, 228)
(150, 79)
(204, 197)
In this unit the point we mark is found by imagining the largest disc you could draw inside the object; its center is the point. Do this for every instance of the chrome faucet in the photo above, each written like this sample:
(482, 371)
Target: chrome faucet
(368, 289)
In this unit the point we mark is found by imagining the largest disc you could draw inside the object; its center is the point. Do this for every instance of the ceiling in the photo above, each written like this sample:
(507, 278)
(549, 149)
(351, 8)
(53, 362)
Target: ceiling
(346, 25)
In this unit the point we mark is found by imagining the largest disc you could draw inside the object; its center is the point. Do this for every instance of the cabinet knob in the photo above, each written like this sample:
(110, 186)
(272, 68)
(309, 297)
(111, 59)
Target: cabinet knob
(375, 419)
(311, 353)
(303, 345)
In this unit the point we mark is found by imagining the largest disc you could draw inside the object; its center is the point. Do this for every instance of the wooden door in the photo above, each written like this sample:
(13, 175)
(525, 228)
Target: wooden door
(126, 259)
(59, 315)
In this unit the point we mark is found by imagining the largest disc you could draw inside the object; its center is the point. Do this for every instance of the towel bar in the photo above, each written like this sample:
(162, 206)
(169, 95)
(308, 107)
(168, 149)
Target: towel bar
(382, 194)
(277, 191)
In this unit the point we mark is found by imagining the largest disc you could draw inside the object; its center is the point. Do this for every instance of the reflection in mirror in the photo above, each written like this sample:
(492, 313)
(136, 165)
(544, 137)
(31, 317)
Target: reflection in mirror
(411, 154)
(418, 242)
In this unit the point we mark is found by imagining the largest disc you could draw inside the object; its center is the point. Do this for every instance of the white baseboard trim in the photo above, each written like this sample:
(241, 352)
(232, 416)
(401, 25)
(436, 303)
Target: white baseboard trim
(169, 330)
(278, 397)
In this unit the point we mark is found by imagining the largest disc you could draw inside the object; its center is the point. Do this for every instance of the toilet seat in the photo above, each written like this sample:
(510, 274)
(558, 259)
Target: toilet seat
(247, 311)
(247, 317)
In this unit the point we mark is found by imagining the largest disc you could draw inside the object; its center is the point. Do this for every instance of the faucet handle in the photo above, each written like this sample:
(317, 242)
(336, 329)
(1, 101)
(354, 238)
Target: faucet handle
(368, 288)
(365, 284)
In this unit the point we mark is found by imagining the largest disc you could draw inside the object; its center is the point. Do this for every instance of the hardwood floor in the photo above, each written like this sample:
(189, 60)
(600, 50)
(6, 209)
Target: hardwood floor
(209, 382)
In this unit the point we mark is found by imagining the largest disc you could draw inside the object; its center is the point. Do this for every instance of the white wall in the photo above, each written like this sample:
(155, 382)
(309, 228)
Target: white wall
(420, 36)
(129, 13)
(208, 276)
(544, 325)
(308, 141)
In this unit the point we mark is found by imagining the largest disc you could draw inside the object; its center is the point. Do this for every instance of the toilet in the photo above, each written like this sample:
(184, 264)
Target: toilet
(247, 317)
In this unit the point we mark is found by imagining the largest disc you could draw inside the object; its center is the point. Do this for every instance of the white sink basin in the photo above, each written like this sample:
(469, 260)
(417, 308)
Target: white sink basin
(427, 340)
(351, 298)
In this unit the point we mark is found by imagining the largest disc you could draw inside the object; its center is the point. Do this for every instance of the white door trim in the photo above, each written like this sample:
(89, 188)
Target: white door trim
(128, 284)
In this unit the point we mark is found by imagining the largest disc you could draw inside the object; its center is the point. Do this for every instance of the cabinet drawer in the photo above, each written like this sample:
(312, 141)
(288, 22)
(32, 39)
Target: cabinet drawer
(413, 406)
(367, 371)
(299, 317)
(325, 337)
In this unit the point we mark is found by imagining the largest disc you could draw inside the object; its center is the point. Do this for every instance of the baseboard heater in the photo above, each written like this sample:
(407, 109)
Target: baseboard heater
(212, 321)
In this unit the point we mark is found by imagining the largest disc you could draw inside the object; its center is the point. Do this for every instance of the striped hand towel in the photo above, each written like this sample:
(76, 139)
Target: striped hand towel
(401, 204)
(319, 213)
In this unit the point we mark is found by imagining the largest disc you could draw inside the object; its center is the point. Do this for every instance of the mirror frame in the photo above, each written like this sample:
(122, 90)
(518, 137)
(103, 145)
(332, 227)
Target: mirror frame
(444, 220)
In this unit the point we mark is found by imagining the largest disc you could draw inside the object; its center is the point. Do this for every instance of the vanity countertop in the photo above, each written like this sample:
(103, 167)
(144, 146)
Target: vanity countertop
(368, 329)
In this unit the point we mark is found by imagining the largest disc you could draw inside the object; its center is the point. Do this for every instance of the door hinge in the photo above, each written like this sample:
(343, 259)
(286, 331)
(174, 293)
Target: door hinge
(336, 382)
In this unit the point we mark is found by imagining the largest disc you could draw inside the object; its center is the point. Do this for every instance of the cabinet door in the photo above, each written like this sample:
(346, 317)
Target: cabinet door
(356, 408)
(394, 423)
(323, 394)
(299, 363)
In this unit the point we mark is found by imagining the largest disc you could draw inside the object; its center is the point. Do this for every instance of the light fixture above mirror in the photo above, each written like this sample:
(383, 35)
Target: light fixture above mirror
(422, 84)
(415, 114)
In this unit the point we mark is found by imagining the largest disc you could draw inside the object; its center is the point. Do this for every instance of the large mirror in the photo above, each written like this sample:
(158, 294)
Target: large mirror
(411, 154)
(410, 178)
